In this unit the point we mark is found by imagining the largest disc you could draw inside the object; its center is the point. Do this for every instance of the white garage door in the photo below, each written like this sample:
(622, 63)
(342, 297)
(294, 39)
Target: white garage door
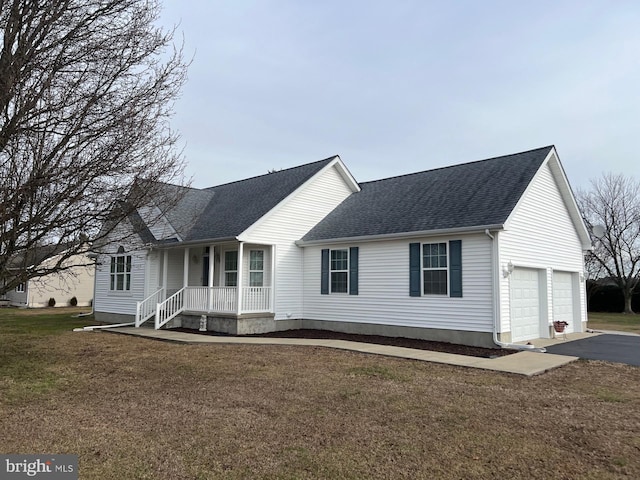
(563, 299)
(525, 304)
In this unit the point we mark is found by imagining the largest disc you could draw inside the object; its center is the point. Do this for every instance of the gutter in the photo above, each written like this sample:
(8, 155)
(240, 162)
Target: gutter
(391, 236)
(495, 283)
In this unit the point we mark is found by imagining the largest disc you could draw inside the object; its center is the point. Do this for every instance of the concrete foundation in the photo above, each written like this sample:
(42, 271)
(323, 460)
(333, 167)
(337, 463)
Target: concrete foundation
(106, 317)
(247, 324)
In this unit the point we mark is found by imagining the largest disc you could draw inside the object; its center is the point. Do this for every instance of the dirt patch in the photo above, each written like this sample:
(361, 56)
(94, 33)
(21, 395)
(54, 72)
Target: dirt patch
(380, 340)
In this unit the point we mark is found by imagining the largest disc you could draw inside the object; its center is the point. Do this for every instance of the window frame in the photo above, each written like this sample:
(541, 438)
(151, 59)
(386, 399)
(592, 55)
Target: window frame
(256, 271)
(424, 269)
(340, 271)
(21, 287)
(227, 271)
(120, 259)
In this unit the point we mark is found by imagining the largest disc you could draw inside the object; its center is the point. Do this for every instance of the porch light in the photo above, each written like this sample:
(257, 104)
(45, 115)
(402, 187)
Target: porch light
(508, 270)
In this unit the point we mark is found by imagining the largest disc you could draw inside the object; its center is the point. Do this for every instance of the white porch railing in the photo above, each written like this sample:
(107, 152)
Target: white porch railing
(210, 300)
(256, 299)
(147, 308)
(170, 308)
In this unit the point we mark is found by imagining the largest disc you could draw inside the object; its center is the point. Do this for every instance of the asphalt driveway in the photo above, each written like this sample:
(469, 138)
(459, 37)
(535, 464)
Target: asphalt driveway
(612, 348)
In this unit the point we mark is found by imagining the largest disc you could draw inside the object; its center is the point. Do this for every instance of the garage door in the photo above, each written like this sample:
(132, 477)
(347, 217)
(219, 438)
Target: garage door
(525, 304)
(563, 299)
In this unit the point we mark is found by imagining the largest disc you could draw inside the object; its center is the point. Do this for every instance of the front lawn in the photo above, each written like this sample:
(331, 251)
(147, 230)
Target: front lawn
(141, 409)
(614, 321)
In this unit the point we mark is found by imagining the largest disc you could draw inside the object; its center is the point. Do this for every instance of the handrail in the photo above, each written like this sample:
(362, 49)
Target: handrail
(147, 307)
(170, 308)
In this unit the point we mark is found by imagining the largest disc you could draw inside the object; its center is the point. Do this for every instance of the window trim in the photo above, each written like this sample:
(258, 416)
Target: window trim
(424, 269)
(225, 271)
(256, 270)
(125, 274)
(21, 287)
(343, 271)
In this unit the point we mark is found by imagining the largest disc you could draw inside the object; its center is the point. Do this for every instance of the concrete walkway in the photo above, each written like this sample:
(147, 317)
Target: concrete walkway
(522, 363)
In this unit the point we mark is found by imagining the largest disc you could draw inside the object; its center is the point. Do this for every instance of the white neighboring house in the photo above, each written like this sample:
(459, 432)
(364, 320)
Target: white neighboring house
(74, 281)
(478, 253)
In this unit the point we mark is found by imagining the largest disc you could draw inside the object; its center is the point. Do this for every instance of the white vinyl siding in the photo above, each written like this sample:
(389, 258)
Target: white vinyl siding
(289, 222)
(121, 302)
(540, 234)
(383, 288)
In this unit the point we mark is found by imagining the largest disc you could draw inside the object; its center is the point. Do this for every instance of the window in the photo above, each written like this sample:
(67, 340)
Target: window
(339, 271)
(434, 268)
(120, 274)
(339, 266)
(231, 268)
(20, 287)
(256, 268)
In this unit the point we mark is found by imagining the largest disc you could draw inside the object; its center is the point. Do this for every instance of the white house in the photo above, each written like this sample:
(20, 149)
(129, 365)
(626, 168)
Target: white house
(74, 280)
(483, 253)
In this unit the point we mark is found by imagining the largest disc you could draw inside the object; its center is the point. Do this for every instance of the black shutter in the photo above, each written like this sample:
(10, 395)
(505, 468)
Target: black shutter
(324, 276)
(455, 268)
(414, 269)
(353, 271)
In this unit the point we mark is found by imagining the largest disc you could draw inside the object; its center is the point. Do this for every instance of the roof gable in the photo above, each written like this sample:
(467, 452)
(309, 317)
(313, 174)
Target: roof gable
(476, 194)
(225, 211)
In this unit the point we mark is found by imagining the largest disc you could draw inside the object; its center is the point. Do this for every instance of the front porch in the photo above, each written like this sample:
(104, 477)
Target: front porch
(230, 280)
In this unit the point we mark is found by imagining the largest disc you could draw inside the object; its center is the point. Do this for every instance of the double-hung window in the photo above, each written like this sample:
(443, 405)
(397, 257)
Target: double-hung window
(434, 268)
(231, 268)
(339, 270)
(120, 272)
(256, 268)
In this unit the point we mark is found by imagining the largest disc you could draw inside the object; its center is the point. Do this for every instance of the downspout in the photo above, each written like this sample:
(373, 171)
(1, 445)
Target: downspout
(93, 300)
(495, 283)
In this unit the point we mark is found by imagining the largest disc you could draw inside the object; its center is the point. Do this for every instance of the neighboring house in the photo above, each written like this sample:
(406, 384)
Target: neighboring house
(478, 253)
(76, 280)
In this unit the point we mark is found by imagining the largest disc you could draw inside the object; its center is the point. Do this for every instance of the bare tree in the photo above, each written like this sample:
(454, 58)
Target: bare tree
(86, 92)
(614, 204)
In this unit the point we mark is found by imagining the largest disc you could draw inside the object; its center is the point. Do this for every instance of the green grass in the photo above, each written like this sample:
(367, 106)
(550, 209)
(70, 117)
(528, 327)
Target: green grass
(614, 321)
(27, 367)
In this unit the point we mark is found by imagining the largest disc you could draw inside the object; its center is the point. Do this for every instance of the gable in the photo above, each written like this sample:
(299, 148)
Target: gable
(549, 203)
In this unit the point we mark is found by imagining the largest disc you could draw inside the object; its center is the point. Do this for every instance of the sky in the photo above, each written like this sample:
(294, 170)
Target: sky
(397, 87)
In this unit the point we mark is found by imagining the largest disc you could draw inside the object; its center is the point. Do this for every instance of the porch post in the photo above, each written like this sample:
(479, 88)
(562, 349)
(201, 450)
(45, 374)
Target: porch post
(165, 272)
(239, 282)
(272, 300)
(212, 260)
(185, 268)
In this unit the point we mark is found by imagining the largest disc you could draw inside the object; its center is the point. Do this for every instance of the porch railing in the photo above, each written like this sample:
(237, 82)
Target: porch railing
(256, 299)
(210, 300)
(147, 308)
(170, 308)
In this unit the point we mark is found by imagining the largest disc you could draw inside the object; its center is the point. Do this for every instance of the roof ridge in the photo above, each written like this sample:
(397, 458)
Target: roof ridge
(271, 173)
(457, 165)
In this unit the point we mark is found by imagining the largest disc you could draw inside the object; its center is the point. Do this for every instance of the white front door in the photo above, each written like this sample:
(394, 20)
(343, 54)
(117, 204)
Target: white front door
(525, 304)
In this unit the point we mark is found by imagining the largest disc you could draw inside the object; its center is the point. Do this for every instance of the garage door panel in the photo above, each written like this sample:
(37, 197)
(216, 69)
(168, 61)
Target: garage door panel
(525, 299)
(563, 299)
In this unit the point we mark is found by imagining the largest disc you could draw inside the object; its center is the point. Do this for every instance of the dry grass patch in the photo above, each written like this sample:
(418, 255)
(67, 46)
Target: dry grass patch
(614, 321)
(135, 408)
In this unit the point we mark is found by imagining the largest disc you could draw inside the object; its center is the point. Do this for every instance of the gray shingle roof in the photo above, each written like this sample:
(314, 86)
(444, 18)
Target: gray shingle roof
(225, 211)
(473, 194)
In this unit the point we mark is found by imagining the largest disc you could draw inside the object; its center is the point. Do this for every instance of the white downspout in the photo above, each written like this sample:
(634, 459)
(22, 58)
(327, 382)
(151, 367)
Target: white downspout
(495, 284)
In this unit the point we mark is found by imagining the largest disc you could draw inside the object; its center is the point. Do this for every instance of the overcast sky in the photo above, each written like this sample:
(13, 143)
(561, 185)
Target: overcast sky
(396, 87)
